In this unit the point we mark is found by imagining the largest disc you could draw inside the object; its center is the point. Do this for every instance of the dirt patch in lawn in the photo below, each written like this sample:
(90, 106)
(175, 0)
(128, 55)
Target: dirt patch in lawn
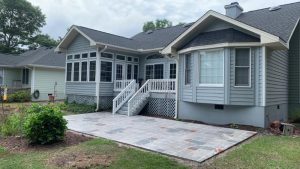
(80, 160)
(21, 144)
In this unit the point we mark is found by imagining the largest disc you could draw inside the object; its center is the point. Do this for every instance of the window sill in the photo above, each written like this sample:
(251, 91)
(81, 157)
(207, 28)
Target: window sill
(211, 85)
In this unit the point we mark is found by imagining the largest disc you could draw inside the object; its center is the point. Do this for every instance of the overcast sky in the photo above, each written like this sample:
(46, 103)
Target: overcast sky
(126, 17)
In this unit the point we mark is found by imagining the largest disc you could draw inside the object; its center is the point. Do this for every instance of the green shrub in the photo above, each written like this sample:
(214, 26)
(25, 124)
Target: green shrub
(46, 125)
(13, 125)
(20, 96)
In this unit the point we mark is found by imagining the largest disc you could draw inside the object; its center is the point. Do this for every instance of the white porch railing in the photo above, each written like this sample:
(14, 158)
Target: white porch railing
(119, 85)
(124, 95)
(139, 99)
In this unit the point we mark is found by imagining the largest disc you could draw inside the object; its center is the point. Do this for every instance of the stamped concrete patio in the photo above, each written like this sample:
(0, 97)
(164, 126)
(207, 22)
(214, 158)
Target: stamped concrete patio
(190, 141)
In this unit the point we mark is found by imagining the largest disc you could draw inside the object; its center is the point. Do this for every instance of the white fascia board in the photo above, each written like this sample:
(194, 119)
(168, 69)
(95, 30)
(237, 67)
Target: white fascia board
(265, 37)
(44, 66)
(294, 29)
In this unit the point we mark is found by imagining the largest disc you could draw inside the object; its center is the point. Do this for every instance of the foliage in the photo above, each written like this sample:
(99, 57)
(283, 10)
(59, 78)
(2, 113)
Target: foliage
(19, 21)
(157, 24)
(20, 96)
(77, 108)
(45, 124)
(181, 23)
(13, 124)
(42, 40)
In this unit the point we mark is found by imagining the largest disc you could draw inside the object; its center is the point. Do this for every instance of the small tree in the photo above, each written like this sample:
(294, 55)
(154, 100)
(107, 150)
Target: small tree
(42, 40)
(158, 24)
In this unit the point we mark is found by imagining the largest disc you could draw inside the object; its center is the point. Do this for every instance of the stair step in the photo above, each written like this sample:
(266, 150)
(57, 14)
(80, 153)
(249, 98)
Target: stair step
(122, 112)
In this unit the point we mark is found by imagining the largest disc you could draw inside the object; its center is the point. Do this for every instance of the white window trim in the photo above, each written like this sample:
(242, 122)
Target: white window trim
(250, 67)
(89, 62)
(79, 80)
(184, 69)
(87, 70)
(170, 70)
(121, 59)
(124, 68)
(66, 71)
(208, 84)
(153, 69)
(112, 68)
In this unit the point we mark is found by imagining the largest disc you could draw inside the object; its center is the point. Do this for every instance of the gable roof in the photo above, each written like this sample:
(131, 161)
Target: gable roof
(41, 57)
(278, 24)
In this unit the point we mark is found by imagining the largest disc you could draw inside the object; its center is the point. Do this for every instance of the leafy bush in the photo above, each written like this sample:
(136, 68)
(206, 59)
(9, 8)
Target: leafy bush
(45, 124)
(20, 96)
(77, 108)
(13, 125)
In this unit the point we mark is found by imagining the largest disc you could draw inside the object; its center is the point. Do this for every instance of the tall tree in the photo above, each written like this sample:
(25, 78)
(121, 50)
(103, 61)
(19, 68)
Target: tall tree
(20, 21)
(42, 40)
(157, 24)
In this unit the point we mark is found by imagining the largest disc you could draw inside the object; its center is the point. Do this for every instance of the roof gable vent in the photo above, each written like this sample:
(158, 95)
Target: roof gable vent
(274, 8)
(149, 31)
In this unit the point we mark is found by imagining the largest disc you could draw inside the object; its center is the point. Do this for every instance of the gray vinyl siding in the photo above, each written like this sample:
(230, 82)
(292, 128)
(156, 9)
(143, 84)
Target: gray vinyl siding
(277, 77)
(80, 44)
(81, 88)
(106, 89)
(242, 95)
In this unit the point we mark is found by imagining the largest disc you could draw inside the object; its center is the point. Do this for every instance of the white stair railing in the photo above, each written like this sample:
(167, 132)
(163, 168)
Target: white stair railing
(124, 95)
(119, 85)
(138, 98)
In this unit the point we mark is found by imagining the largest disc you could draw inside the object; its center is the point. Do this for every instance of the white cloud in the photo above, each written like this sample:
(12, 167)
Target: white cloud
(126, 17)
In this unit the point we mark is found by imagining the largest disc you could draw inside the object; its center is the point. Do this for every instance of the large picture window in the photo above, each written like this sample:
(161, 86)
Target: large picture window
(69, 72)
(83, 71)
(106, 71)
(92, 71)
(212, 67)
(155, 71)
(187, 69)
(76, 72)
(242, 67)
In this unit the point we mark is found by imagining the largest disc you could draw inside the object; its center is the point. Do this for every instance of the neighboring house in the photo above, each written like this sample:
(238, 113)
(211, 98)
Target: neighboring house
(40, 70)
(242, 67)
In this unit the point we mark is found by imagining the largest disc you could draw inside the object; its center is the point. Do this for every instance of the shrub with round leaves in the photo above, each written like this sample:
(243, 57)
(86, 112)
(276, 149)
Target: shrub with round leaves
(45, 125)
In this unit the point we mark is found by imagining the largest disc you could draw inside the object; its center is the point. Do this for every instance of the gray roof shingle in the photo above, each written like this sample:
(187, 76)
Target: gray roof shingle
(279, 23)
(42, 57)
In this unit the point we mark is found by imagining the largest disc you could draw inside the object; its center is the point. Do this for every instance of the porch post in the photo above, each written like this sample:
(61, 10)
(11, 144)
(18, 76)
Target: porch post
(97, 78)
(264, 57)
(176, 86)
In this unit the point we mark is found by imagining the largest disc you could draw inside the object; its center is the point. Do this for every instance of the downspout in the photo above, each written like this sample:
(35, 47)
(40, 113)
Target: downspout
(98, 78)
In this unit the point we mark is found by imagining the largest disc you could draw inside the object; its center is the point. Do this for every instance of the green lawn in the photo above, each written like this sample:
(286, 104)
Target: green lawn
(119, 157)
(263, 152)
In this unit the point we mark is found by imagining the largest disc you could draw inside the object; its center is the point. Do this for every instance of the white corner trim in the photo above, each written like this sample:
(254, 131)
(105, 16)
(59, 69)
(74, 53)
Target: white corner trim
(264, 55)
(265, 36)
(32, 79)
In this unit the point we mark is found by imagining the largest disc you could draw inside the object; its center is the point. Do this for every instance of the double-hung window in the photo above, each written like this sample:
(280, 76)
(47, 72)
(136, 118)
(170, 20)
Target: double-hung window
(187, 69)
(212, 67)
(106, 71)
(69, 72)
(76, 72)
(83, 71)
(242, 67)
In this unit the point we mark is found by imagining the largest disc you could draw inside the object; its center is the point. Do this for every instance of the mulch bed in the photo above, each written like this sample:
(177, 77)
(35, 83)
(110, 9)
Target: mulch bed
(21, 144)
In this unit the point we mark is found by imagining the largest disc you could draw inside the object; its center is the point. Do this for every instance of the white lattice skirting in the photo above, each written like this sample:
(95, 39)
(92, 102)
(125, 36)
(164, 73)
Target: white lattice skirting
(160, 107)
(105, 102)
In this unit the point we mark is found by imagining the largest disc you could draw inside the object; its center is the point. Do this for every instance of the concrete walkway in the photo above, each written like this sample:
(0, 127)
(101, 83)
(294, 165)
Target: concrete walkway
(190, 141)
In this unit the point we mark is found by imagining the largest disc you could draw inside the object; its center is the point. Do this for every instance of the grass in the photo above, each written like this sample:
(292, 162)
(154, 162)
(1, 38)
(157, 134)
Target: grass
(125, 158)
(74, 108)
(263, 152)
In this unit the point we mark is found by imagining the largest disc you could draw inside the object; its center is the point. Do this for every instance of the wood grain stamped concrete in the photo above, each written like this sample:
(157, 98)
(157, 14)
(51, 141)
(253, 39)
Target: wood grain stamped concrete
(190, 141)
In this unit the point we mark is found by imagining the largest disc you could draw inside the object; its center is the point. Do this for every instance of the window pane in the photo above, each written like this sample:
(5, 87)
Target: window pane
(84, 55)
(211, 67)
(129, 72)
(77, 56)
(119, 72)
(149, 72)
(135, 72)
(242, 57)
(107, 55)
(159, 71)
(173, 71)
(187, 66)
(106, 71)
(69, 71)
(136, 60)
(93, 54)
(129, 59)
(242, 76)
(121, 57)
(69, 57)
(76, 72)
(92, 71)
(83, 71)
